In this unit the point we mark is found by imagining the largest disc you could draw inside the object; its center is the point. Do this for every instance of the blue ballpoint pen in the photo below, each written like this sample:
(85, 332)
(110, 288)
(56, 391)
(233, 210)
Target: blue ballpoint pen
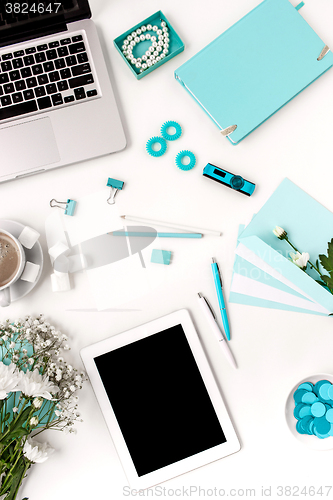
(218, 286)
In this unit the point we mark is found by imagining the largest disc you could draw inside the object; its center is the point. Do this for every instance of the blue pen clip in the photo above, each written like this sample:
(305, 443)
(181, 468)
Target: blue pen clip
(69, 205)
(228, 179)
(115, 186)
(220, 298)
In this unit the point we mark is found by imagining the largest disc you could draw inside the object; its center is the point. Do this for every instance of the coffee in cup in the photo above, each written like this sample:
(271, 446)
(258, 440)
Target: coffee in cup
(10, 259)
(12, 262)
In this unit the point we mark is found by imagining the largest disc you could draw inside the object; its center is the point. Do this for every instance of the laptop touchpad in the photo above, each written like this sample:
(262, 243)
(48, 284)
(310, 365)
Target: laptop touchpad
(27, 146)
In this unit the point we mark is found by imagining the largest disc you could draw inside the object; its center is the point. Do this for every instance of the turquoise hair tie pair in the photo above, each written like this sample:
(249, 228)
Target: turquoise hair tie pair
(167, 136)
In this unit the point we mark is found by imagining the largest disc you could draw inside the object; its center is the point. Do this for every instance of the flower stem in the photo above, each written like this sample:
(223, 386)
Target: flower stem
(311, 264)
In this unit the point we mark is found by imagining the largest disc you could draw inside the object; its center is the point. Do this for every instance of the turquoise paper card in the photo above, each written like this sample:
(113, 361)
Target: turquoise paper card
(309, 226)
(255, 67)
(249, 270)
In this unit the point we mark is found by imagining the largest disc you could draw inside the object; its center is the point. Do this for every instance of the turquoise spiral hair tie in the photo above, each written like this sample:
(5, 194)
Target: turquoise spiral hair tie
(183, 154)
(156, 140)
(166, 126)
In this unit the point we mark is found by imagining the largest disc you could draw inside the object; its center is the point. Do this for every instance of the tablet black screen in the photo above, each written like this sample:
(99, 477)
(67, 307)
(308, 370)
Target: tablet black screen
(160, 400)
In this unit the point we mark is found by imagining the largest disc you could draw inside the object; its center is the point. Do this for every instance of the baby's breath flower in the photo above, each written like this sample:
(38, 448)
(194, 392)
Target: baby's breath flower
(37, 402)
(33, 421)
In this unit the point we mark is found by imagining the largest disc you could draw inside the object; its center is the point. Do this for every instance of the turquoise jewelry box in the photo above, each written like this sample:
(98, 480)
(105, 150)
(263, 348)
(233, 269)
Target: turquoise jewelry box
(149, 44)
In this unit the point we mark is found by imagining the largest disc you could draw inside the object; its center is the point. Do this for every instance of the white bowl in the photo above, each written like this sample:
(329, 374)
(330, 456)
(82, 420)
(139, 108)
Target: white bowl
(311, 441)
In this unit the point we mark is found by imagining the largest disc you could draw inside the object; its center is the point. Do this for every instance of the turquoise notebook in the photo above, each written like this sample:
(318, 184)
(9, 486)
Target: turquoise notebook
(255, 67)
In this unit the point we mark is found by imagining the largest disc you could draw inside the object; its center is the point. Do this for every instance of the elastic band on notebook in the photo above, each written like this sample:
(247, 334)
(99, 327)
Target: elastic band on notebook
(323, 53)
(228, 130)
(299, 6)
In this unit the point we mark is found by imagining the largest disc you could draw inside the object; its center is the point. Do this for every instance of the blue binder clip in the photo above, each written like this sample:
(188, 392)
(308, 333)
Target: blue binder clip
(228, 179)
(69, 205)
(115, 186)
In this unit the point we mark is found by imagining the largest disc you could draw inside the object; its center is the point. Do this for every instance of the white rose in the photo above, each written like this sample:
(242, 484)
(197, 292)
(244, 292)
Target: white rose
(301, 260)
(280, 232)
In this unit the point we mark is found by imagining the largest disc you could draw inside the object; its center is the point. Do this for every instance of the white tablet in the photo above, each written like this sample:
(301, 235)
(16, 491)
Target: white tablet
(160, 400)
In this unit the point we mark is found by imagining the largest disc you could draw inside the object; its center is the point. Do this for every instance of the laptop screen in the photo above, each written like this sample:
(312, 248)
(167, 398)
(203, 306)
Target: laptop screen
(26, 19)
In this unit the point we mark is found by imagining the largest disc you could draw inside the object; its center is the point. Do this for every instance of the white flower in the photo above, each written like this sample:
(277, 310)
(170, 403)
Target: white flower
(9, 378)
(37, 402)
(36, 452)
(301, 260)
(12, 345)
(32, 384)
(280, 232)
(33, 421)
(15, 409)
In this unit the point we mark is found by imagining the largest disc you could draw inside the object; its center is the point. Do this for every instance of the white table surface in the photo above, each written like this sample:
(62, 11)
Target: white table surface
(274, 349)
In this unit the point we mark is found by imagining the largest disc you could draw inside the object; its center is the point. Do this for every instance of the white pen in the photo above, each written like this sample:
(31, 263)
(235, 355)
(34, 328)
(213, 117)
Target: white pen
(208, 312)
(171, 224)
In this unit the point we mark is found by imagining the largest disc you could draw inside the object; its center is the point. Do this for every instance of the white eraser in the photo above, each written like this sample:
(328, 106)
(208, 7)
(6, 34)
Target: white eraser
(28, 237)
(60, 282)
(30, 272)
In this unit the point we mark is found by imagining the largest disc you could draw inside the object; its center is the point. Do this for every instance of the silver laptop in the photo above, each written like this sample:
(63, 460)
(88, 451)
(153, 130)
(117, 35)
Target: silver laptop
(56, 101)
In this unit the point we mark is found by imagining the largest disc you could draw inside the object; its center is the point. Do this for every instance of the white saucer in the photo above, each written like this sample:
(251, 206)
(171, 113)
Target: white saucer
(34, 255)
(311, 441)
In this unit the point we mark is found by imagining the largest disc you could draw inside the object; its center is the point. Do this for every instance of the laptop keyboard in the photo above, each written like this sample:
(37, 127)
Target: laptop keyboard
(45, 76)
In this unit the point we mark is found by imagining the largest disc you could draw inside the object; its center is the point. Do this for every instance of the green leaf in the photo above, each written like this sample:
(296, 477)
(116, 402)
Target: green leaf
(321, 283)
(328, 281)
(15, 429)
(20, 432)
(21, 419)
(327, 262)
(18, 476)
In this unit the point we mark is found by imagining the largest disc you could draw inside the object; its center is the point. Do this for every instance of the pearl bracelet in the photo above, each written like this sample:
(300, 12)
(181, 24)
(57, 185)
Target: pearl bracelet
(158, 50)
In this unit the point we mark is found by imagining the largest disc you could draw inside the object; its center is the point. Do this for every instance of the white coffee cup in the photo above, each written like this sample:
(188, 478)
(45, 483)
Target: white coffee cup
(5, 298)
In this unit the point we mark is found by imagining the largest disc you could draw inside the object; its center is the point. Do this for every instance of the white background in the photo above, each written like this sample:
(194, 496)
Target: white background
(274, 349)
